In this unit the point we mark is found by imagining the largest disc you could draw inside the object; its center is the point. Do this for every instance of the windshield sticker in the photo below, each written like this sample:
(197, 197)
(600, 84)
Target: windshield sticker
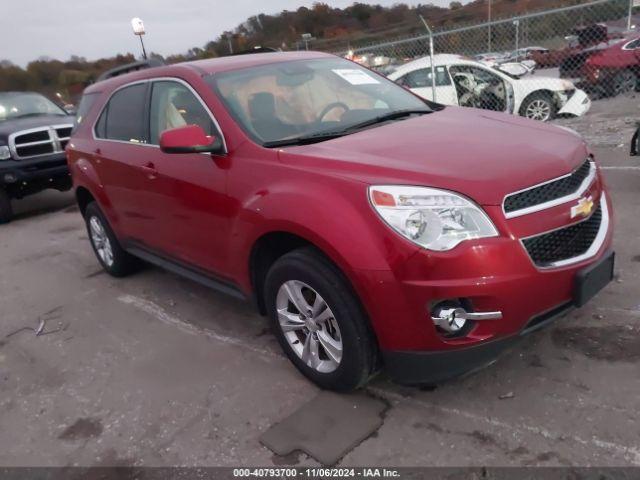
(355, 76)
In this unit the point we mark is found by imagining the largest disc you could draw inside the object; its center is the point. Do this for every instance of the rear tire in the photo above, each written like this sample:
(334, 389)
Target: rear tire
(539, 106)
(333, 346)
(113, 258)
(6, 210)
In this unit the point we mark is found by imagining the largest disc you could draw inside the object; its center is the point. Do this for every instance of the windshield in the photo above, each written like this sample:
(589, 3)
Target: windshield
(17, 105)
(309, 98)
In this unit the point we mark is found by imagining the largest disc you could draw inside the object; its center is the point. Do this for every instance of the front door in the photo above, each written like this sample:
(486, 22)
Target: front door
(479, 87)
(188, 190)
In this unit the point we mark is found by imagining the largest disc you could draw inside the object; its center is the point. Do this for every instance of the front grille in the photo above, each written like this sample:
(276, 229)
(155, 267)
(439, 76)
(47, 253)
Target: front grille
(64, 133)
(565, 243)
(549, 191)
(35, 150)
(39, 141)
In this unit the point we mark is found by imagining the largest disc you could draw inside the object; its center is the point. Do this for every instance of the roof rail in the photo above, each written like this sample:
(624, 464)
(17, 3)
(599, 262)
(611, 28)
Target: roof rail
(130, 67)
(256, 50)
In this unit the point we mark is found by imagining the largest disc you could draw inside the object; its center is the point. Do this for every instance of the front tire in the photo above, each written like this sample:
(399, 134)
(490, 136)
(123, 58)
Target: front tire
(539, 106)
(113, 258)
(319, 321)
(624, 82)
(6, 210)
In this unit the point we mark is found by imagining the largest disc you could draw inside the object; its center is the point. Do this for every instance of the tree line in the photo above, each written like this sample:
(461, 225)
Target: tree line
(330, 29)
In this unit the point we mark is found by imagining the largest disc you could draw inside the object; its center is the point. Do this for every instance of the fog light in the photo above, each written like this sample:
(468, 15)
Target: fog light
(453, 319)
(10, 178)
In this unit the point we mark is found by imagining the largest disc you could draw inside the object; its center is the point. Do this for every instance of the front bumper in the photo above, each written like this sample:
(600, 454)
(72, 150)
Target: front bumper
(578, 105)
(493, 275)
(429, 368)
(24, 177)
(435, 367)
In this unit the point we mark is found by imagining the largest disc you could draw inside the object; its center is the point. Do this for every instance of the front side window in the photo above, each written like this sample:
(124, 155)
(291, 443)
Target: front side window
(173, 105)
(123, 117)
(26, 104)
(479, 88)
(303, 98)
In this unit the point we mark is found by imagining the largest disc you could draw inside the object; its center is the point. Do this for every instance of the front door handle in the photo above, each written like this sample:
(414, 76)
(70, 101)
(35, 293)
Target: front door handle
(150, 169)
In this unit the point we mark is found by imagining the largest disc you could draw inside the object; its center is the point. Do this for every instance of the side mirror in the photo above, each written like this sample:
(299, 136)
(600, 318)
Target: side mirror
(189, 139)
(635, 143)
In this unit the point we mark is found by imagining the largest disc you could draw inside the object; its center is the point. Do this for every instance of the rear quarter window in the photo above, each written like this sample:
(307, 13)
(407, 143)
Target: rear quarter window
(87, 101)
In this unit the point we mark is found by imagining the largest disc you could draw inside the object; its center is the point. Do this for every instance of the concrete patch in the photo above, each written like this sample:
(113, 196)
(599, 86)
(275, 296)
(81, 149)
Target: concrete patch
(327, 427)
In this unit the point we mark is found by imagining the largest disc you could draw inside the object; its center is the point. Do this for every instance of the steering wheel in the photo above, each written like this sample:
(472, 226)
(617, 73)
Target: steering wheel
(330, 107)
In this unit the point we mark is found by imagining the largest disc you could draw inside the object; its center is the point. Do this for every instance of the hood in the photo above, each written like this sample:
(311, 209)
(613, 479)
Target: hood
(7, 127)
(547, 83)
(483, 155)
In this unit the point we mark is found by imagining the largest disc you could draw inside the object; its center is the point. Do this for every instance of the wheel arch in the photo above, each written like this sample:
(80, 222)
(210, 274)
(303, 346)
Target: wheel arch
(83, 198)
(542, 91)
(271, 246)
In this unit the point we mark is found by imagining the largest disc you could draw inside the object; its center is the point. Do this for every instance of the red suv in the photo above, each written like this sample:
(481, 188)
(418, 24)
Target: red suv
(374, 228)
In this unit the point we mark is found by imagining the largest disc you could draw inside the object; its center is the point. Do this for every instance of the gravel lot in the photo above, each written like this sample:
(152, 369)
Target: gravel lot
(157, 370)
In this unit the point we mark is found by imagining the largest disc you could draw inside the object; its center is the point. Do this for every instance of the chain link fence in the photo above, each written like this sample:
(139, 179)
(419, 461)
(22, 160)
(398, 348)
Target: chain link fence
(541, 65)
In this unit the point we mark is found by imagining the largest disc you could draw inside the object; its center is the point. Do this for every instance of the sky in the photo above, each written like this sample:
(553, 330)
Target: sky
(101, 28)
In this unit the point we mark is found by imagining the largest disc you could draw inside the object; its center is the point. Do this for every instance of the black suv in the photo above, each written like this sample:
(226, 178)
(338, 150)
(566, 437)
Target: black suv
(34, 132)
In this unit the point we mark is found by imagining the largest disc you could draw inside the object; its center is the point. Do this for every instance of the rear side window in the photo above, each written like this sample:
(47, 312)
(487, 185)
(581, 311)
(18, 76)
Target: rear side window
(123, 117)
(422, 78)
(633, 45)
(88, 99)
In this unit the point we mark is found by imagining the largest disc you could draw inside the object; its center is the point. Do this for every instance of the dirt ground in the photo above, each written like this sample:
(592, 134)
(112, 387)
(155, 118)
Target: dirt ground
(156, 370)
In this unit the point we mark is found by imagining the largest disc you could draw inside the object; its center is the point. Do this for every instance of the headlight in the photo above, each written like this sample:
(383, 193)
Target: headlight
(434, 219)
(5, 153)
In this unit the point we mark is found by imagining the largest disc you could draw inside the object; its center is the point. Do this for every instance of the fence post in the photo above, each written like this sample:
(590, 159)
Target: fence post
(489, 26)
(517, 24)
(433, 67)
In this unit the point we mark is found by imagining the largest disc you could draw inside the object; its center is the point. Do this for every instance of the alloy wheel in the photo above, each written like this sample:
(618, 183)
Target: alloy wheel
(101, 241)
(309, 326)
(624, 82)
(538, 110)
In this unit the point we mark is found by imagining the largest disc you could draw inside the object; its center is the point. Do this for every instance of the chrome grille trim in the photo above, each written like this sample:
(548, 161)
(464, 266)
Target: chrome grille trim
(586, 183)
(54, 140)
(593, 249)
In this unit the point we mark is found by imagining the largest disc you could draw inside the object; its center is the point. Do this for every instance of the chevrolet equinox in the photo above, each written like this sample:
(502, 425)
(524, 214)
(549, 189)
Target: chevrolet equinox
(374, 228)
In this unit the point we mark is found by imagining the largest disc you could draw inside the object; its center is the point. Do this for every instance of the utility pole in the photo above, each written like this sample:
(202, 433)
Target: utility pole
(631, 2)
(230, 45)
(433, 67)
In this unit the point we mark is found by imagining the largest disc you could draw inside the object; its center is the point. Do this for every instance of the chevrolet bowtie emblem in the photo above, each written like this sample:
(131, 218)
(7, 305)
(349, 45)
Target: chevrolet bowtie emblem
(583, 208)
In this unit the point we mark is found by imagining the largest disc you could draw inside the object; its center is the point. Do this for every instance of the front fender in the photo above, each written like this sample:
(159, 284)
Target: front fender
(335, 216)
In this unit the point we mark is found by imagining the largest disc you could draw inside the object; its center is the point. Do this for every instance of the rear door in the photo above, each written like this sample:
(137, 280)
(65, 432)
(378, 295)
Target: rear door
(420, 82)
(121, 156)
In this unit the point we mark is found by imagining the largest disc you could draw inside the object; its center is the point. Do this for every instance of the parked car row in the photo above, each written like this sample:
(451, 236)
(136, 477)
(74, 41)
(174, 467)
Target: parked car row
(467, 83)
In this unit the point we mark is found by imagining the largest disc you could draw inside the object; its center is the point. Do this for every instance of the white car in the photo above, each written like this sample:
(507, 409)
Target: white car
(465, 82)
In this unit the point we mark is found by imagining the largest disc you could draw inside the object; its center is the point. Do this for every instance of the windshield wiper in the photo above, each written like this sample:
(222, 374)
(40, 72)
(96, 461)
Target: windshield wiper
(322, 136)
(34, 114)
(387, 117)
(305, 139)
